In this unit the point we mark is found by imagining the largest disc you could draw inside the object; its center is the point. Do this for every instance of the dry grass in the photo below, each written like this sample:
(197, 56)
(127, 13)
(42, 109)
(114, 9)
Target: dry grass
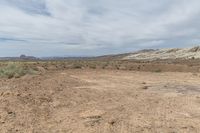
(155, 66)
(15, 70)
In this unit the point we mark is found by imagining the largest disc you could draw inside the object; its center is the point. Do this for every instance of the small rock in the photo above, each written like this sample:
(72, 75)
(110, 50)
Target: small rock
(112, 122)
(143, 83)
(10, 112)
(145, 87)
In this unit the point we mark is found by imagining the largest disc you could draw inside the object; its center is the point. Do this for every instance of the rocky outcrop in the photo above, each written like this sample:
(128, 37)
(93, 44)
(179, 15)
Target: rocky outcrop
(175, 53)
(24, 57)
(195, 49)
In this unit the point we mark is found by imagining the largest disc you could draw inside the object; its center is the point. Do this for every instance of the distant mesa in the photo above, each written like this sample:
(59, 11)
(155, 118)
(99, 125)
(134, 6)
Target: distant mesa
(21, 57)
(24, 57)
(144, 55)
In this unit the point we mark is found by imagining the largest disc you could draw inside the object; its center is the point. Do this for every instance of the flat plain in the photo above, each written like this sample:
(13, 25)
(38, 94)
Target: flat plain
(92, 100)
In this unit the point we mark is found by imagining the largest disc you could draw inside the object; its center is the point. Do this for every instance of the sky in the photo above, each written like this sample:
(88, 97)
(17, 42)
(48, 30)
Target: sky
(96, 27)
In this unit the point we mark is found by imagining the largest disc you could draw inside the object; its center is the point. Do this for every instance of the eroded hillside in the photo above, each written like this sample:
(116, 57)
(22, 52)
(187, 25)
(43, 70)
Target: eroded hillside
(175, 53)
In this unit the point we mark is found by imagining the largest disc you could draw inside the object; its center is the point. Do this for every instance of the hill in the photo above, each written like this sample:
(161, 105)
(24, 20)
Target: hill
(162, 54)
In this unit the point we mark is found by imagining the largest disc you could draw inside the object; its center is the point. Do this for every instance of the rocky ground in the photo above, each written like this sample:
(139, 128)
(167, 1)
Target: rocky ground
(104, 101)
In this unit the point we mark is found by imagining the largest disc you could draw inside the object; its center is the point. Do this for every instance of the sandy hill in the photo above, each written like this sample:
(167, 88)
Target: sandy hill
(175, 53)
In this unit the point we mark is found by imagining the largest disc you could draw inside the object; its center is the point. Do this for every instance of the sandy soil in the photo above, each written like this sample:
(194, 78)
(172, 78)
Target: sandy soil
(101, 101)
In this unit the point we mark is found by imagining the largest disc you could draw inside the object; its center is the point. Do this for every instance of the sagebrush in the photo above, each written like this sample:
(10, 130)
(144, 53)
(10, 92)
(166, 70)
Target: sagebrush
(15, 70)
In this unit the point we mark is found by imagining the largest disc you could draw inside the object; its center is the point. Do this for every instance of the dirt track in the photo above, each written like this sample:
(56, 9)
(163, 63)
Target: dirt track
(104, 101)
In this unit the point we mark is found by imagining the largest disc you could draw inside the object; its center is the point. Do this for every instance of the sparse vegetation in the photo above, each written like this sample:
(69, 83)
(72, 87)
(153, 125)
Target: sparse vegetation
(154, 66)
(15, 70)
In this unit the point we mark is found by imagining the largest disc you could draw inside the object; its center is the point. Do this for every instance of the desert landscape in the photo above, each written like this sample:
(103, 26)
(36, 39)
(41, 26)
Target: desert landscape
(99, 66)
(105, 95)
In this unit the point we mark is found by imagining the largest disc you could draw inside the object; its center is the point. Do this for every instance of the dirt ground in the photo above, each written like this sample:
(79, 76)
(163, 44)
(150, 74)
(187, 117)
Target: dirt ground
(101, 101)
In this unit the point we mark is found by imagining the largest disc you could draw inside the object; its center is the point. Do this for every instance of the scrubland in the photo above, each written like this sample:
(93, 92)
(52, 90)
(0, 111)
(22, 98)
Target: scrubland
(99, 96)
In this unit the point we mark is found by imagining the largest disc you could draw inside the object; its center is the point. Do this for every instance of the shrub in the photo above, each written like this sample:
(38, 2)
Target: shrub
(92, 66)
(158, 71)
(105, 65)
(77, 66)
(15, 70)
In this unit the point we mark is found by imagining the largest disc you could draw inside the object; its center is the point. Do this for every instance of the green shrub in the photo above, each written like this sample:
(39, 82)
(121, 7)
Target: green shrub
(158, 71)
(15, 70)
(77, 66)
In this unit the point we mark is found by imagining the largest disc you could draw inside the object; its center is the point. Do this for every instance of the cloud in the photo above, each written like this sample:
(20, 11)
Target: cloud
(64, 27)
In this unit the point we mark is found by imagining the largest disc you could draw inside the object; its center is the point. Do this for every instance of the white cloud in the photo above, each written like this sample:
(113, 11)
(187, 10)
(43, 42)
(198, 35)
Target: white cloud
(64, 27)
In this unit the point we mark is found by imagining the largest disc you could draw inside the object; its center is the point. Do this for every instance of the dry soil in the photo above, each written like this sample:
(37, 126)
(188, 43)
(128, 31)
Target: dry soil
(101, 101)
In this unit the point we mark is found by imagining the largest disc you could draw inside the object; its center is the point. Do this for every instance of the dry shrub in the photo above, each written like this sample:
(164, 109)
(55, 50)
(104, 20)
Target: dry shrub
(15, 70)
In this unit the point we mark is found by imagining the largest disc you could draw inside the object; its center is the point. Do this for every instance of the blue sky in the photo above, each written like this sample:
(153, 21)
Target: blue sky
(96, 27)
